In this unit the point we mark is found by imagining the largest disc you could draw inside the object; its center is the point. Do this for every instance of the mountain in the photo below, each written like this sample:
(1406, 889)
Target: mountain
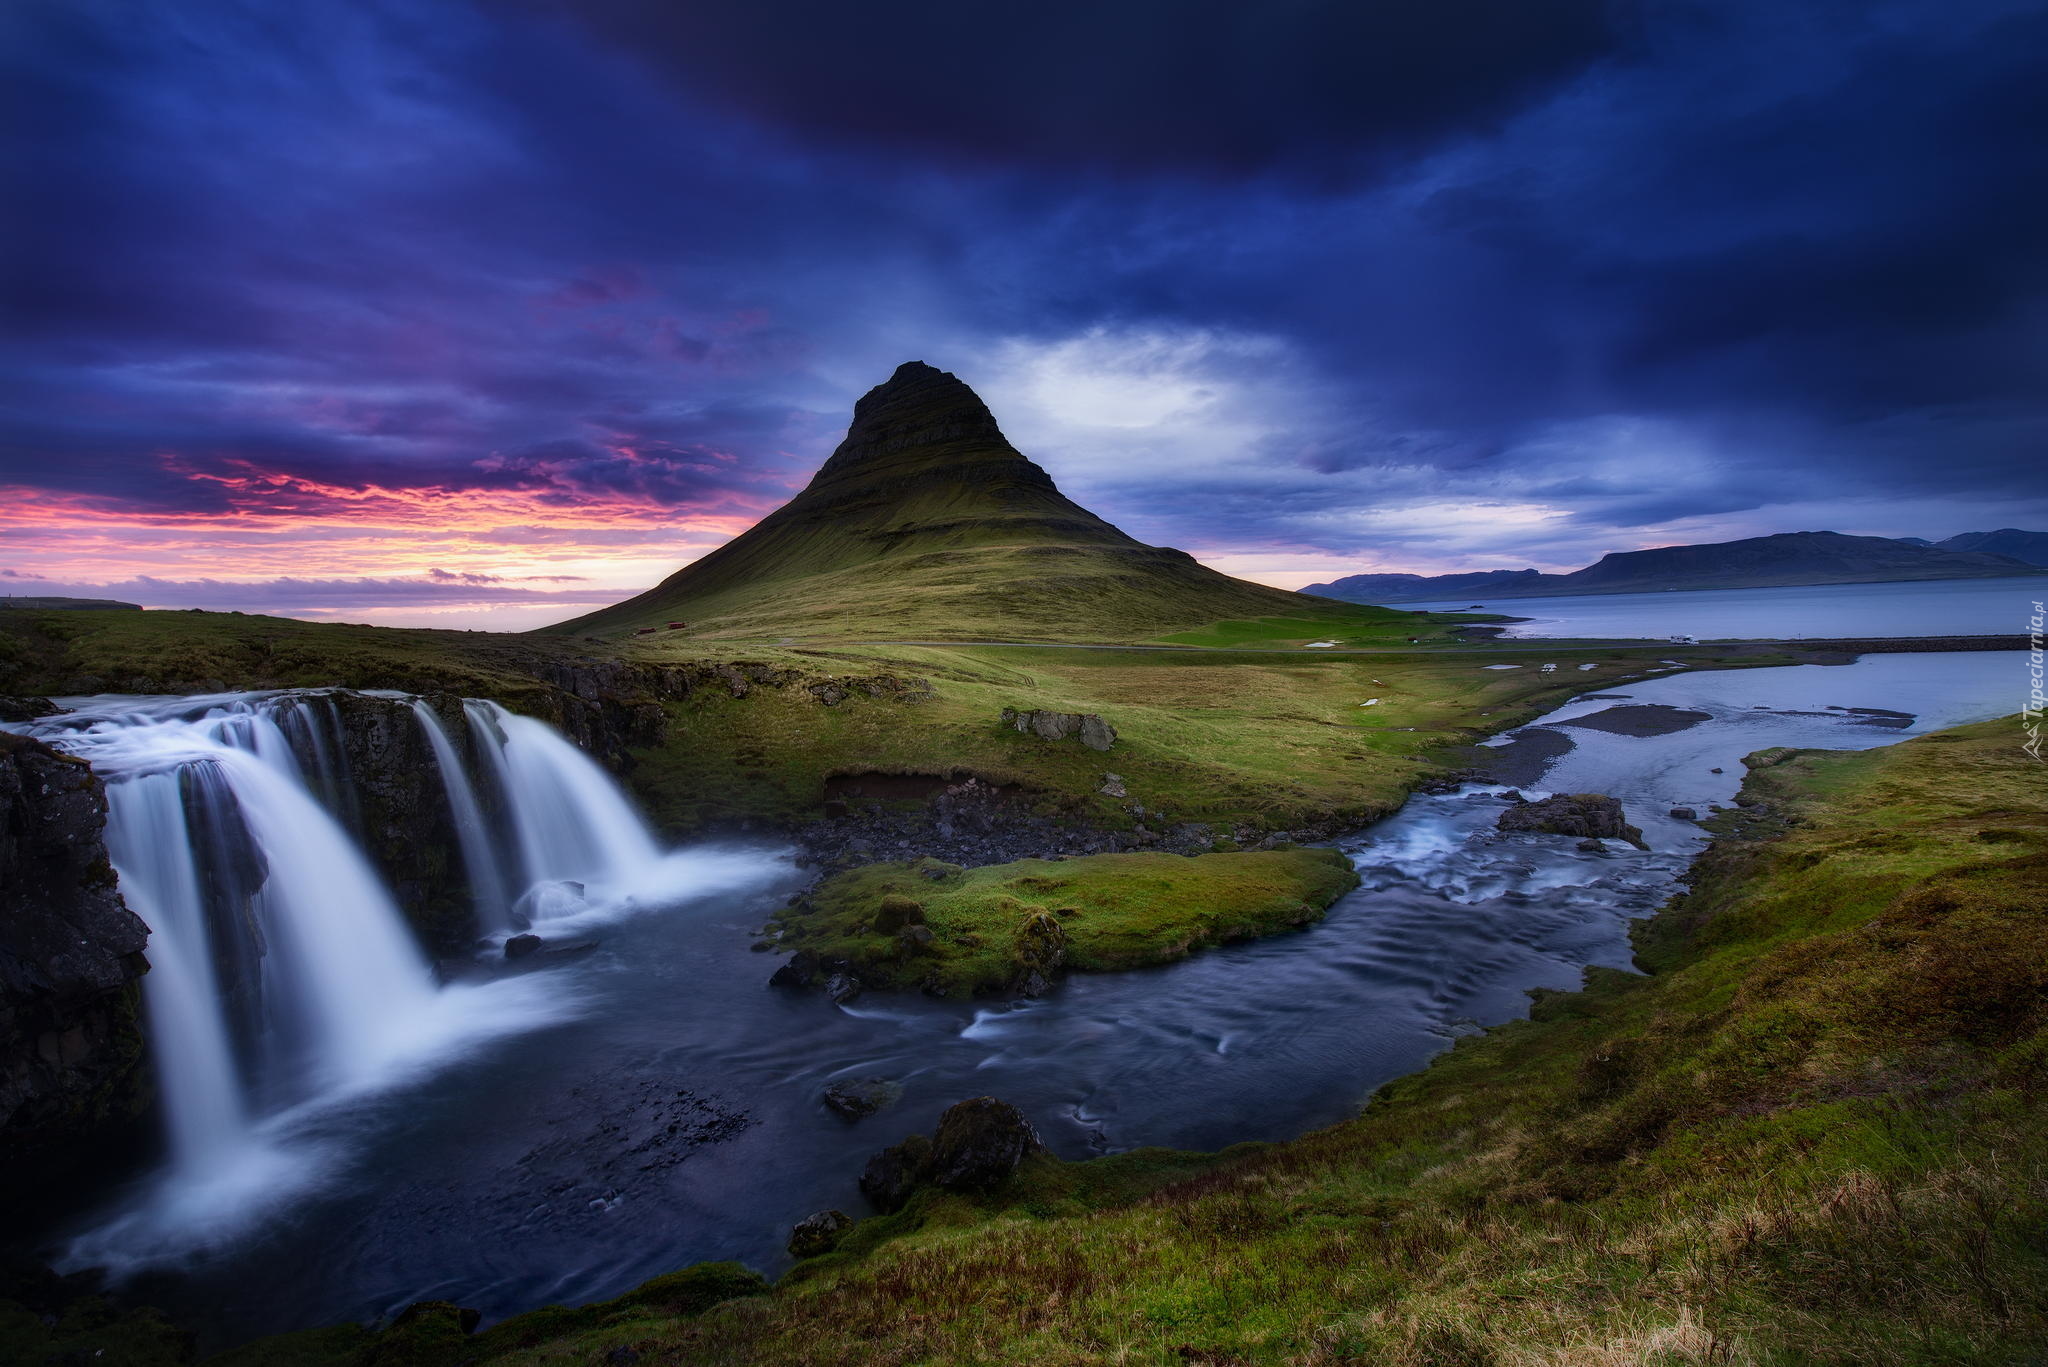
(926, 523)
(2031, 547)
(1789, 558)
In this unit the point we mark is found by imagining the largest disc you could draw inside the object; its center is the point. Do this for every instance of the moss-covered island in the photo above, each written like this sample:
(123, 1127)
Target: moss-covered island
(1816, 1131)
(1005, 928)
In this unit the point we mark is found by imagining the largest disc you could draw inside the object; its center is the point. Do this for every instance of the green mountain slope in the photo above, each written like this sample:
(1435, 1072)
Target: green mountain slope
(927, 523)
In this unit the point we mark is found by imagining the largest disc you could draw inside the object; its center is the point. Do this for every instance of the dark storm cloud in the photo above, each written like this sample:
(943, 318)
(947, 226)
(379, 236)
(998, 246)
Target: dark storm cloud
(1244, 276)
(1204, 86)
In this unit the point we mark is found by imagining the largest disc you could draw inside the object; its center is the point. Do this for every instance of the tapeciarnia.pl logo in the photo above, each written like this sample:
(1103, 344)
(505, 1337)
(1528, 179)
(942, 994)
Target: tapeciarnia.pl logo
(2036, 702)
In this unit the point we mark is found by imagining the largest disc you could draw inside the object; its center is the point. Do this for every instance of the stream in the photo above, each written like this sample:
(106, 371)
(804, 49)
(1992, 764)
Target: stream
(561, 1131)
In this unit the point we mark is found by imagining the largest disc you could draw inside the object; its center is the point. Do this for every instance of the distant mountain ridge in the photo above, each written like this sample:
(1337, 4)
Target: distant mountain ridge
(1787, 559)
(926, 523)
(2031, 547)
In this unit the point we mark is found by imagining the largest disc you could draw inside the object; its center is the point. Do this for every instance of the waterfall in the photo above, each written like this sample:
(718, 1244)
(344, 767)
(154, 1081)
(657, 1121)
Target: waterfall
(148, 843)
(284, 977)
(479, 851)
(573, 827)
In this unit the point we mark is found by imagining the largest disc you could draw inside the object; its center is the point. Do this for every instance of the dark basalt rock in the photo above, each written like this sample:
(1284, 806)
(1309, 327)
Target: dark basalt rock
(818, 1233)
(1588, 815)
(1684, 814)
(979, 1144)
(73, 1082)
(853, 1098)
(894, 1173)
(519, 946)
(842, 988)
(14, 708)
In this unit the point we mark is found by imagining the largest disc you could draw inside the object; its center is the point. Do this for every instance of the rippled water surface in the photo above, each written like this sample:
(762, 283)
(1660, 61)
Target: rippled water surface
(1957, 607)
(671, 1114)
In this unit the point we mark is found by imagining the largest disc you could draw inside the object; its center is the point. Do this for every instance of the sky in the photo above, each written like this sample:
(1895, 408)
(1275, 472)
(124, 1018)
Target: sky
(431, 312)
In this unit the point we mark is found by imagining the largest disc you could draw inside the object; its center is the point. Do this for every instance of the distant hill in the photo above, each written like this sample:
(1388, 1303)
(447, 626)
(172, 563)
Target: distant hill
(927, 523)
(1787, 559)
(71, 604)
(2031, 547)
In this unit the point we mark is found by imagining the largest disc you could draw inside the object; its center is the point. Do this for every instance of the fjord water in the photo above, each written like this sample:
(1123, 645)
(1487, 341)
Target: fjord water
(671, 1111)
(1952, 607)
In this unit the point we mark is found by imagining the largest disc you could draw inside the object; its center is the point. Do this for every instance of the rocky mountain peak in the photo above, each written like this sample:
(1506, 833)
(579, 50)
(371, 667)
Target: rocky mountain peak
(918, 406)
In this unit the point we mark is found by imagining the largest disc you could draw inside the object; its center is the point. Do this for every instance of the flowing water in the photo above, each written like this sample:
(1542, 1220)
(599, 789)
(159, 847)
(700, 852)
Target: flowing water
(618, 1113)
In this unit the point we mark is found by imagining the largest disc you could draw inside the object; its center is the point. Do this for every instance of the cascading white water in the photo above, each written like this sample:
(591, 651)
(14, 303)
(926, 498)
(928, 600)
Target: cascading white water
(284, 976)
(479, 851)
(572, 823)
(151, 851)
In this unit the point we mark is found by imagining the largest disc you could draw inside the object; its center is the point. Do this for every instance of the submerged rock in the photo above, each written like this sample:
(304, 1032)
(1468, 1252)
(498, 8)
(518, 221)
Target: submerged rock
(1684, 814)
(853, 1098)
(1588, 815)
(818, 1233)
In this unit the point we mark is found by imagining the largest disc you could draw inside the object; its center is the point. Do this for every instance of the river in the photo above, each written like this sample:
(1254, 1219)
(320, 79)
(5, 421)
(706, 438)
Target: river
(651, 1102)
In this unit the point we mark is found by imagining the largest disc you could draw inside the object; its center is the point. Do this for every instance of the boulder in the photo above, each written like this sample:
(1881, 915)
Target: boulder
(1091, 730)
(979, 1144)
(820, 1233)
(1684, 814)
(1586, 815)
(893, 1174)
(1590, 846)
(519, 946)
(842, 988)
(14, 708)
(914, 940)
(1040, 954)
(800, 971)
(896, 912)
(852, 1098)
(1113, 786)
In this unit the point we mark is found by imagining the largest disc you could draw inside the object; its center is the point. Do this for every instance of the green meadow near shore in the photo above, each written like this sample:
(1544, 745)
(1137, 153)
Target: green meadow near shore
(730, 735)
(1816, 1131)
(960, 932)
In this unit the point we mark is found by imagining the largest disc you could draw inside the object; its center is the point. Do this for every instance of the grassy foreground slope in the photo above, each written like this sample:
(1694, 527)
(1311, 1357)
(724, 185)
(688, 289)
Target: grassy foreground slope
(1813, 1134)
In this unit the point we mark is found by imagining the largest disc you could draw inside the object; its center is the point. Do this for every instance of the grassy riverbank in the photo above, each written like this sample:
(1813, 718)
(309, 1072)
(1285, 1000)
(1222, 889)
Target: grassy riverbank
(961, 933)
(1814, 1133)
